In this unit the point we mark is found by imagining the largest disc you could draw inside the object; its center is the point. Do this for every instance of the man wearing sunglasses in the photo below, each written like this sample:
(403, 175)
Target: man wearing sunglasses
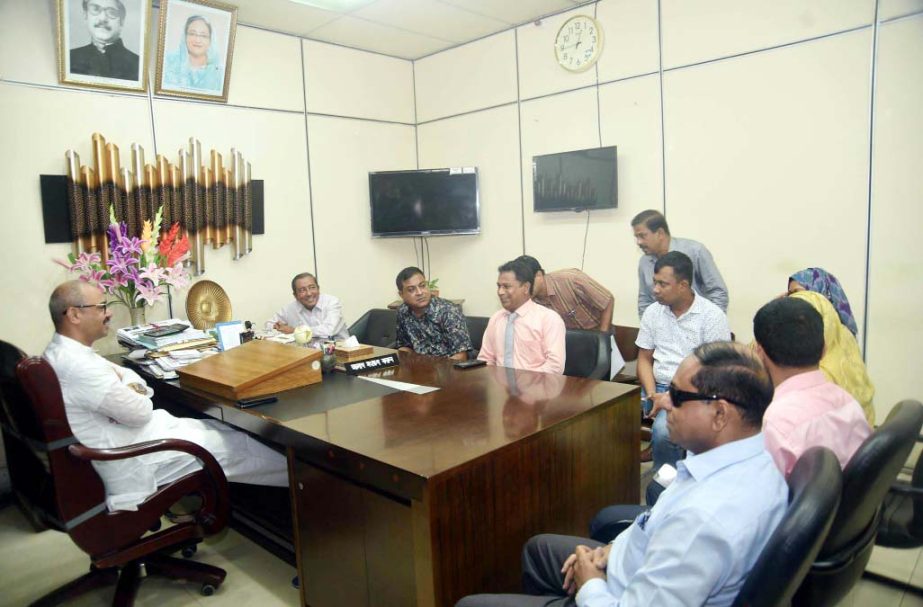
(697, 545)
(109, 406)
(808, 409)
(105, 55)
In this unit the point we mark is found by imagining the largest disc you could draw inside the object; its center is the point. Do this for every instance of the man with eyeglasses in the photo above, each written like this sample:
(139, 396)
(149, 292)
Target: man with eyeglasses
(109, 406)
(679, 320)
(106, 55)
(697, 545)
(320, 311)
(427, 324)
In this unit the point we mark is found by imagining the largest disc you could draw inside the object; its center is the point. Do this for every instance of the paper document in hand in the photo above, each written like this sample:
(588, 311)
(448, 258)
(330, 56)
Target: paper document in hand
(400, 385)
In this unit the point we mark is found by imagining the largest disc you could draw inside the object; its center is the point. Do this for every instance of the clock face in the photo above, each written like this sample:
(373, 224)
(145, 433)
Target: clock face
(578, 43)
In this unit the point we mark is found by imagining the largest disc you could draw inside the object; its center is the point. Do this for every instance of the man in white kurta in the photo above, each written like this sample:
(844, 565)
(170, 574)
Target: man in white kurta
(110, 406)
(320, 311)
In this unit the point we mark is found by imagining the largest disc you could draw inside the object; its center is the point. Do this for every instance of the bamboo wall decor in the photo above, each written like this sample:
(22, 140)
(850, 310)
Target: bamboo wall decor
(211, 201)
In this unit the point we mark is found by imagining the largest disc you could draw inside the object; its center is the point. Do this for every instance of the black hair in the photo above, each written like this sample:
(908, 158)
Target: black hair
(731, 371)
(532, 263)
(653, 220)
(304, 275)
(680, 262)
(790, 331)
(406, 274)
(522, 270)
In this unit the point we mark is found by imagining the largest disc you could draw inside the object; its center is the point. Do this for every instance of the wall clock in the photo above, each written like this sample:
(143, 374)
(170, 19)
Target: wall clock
(578, 43)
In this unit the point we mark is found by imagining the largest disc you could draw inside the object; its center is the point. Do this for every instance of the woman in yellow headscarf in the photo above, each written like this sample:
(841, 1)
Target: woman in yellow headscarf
(842, 363)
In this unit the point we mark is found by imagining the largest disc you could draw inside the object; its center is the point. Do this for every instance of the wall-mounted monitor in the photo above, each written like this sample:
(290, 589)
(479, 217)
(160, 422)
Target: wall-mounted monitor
(427, 202)
(575, 181)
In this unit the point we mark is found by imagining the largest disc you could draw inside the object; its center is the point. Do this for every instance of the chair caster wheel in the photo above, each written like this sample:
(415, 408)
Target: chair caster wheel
(296, 583)
(207, 590)
(188, 551)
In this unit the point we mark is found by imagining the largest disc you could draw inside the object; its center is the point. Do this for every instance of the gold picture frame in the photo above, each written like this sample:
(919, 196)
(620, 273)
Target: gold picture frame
(195, 49)
(97, 43)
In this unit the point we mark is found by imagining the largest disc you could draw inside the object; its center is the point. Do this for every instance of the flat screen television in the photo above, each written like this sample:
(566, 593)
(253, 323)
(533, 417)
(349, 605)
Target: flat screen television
(425, 202)
(575, 181)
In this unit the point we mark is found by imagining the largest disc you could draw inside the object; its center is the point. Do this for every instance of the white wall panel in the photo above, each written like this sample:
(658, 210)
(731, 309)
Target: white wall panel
(708, 29)
(896, 283)
(266, 71)
(274, 144)
(539, 72)
(888, 9)
(631, 40)
(351, 264)
(346, 82)
(630, 120)
(557, 124)
(767, 164)
(466, 265)
(37, 131)
(28, 41)
(474, 76)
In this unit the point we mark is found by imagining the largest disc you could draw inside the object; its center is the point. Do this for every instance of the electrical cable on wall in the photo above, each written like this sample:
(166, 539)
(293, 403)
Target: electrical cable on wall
(586, 235)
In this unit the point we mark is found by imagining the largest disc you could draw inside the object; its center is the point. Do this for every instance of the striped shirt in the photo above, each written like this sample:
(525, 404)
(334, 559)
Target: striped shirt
(579, 299)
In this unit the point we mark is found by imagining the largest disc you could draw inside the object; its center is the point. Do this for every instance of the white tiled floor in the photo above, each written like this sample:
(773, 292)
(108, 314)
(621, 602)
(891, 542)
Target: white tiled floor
(32, 564)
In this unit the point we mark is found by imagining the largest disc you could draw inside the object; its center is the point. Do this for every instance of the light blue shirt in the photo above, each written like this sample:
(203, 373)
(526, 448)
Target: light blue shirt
(699, 542)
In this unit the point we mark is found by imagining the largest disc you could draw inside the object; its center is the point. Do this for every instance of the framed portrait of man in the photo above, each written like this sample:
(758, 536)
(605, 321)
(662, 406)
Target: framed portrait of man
(195, 49)
(103, 43)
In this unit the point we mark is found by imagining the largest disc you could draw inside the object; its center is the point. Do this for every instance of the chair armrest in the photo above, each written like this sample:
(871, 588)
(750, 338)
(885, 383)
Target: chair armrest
(905, 489)
(165, 444)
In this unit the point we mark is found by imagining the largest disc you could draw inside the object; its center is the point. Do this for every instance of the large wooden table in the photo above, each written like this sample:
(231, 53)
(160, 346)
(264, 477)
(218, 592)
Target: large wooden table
(402, 499)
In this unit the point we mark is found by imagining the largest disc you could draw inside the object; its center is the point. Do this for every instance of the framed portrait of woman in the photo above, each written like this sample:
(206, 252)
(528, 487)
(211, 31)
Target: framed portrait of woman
(195, 49)
(103, 43)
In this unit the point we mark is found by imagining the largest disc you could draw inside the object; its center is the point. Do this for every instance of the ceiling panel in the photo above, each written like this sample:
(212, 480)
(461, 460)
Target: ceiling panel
(408, 29)
(371, 36)
(435, 19)
(282, 15)
(513, 13)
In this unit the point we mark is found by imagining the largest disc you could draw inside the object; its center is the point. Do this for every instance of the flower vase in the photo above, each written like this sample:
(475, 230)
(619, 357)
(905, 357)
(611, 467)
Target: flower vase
(138, 316)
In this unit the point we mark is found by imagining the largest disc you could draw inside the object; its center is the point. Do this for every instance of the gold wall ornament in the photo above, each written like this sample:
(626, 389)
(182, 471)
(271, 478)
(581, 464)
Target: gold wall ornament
(211, 202)
(207, 304)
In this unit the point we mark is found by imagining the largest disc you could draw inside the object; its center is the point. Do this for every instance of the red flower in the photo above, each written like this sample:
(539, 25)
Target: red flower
(172, 249)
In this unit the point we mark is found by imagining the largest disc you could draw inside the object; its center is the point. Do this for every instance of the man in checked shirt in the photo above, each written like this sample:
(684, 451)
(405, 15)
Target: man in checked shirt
(582, 302)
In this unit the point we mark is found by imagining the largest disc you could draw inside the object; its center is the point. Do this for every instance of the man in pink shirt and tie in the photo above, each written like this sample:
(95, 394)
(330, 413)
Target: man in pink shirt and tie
(807, 408)
(523, 335)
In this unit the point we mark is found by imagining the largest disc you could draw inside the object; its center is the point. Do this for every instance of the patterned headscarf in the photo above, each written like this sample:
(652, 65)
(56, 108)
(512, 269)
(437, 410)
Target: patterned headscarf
(821, 281)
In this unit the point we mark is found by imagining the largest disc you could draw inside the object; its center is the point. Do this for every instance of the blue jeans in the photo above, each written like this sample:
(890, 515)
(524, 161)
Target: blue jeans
(663, 450)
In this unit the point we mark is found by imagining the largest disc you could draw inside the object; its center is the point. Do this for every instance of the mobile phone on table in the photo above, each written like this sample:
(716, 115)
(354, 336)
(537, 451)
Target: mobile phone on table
(468, 364)
(246, 403)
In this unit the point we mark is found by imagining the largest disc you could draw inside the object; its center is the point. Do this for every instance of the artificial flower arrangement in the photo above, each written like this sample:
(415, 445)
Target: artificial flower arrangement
(139, 270)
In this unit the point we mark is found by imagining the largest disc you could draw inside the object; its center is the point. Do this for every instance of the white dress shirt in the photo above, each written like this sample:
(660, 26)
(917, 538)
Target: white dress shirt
(672, 339)
(104, 412)
(325, 319)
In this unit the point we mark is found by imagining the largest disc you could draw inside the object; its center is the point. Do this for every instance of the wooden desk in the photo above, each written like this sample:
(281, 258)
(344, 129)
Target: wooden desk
(404, 499)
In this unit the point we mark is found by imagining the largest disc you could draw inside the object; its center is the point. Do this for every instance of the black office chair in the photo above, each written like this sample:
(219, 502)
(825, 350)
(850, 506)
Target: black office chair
(377, 327)
(33, 492)
(588, 354)
(901, 524)
(815, 485)
(476, 327)
(866, 479)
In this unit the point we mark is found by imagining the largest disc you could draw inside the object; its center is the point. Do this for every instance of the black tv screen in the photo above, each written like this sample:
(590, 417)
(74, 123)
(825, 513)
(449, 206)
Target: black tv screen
(426, 202)
(574, 181)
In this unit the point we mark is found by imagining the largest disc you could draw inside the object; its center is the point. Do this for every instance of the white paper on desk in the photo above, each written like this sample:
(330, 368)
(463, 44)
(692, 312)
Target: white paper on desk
(351, 342)
(618, 363)
(400, 385)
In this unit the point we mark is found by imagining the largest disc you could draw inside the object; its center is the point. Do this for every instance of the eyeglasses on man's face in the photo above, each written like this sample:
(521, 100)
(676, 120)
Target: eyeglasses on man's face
(99, 306)
(95, 9)
(678, 397)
